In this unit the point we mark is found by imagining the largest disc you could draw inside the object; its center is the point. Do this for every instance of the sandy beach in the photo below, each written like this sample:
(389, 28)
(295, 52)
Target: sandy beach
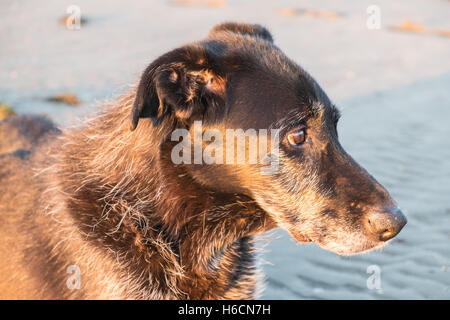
(391, 84)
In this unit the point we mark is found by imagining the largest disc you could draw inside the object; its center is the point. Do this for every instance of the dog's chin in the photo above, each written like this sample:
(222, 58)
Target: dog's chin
(351, 245)
(347, 249)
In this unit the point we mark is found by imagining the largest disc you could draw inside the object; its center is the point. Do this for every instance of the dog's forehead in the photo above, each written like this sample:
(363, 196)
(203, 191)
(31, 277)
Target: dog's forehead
(259, 101)
(267, 86)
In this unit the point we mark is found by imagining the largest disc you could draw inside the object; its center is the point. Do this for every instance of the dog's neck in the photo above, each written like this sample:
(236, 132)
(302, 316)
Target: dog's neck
(127, 196)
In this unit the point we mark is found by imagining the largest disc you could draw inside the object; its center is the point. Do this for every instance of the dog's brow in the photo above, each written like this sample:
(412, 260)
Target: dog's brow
(294, 117)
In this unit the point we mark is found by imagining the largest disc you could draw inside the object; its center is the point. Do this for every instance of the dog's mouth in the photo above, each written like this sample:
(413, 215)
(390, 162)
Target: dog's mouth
(347, 249)
(372, 231)
(349, 245)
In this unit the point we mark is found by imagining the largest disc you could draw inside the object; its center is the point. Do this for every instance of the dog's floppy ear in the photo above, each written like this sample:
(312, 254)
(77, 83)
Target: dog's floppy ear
(254, 30)
(181, 82)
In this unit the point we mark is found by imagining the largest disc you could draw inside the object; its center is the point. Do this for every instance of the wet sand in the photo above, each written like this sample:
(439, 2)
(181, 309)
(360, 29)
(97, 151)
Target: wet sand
(392, 88)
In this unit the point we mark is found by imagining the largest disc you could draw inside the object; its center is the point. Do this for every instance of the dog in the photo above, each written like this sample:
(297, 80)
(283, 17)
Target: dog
(103, 212)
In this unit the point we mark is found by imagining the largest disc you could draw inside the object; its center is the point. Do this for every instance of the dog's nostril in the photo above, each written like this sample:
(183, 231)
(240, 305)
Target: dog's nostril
(383, 226)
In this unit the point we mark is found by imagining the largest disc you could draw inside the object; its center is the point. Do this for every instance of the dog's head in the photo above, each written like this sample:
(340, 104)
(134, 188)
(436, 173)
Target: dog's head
(237, 79)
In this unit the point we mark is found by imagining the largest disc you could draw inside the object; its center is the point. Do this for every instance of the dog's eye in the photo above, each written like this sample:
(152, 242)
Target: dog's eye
(297, 138)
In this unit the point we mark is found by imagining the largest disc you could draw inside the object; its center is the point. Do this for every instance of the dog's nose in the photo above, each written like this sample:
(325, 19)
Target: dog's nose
(385, 225)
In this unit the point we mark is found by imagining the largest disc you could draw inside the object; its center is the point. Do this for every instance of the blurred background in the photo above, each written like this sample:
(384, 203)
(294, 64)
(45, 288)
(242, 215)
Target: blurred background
(386, 67)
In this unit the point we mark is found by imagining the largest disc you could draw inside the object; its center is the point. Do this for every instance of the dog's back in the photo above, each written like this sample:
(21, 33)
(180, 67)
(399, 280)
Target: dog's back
(19, 137)
(23, 133)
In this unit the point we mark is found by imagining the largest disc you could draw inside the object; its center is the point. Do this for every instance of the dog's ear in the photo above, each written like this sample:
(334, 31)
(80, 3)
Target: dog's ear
(181, 82)
(254, 30)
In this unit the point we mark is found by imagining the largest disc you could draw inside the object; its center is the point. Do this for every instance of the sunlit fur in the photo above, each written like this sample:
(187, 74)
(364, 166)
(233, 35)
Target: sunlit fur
(107, 197)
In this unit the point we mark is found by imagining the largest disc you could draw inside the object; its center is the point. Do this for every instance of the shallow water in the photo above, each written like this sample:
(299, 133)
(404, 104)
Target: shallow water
(392, 87)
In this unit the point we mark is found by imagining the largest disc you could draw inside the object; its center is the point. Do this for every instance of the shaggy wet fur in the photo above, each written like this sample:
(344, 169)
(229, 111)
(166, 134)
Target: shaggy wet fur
(136, 229)
(121, 218)
(110, 201)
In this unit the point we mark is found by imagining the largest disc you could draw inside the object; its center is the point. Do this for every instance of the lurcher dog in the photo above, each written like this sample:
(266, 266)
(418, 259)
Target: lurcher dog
(103, 212)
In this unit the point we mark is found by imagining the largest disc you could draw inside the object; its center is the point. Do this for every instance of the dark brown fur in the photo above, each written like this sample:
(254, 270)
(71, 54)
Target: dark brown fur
(111, 202)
